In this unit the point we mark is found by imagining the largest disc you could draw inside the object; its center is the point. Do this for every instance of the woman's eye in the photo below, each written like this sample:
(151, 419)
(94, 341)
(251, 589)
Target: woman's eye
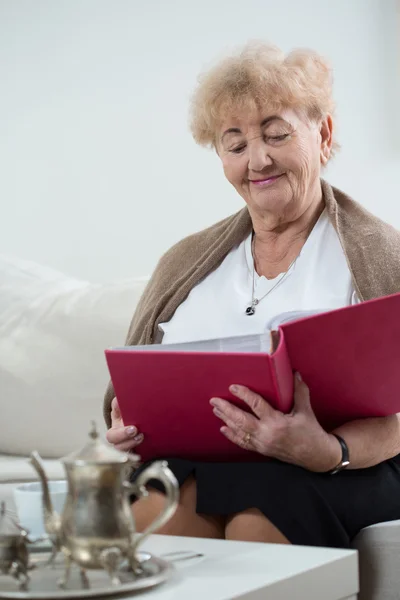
(238, 149)
(278, 138)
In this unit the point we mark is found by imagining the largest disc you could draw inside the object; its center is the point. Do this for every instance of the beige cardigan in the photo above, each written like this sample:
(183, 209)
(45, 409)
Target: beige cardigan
(372, 250)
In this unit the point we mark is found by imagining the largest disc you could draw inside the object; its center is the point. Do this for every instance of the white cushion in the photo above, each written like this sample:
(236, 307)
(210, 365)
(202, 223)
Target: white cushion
(53, 333)
(17, 469)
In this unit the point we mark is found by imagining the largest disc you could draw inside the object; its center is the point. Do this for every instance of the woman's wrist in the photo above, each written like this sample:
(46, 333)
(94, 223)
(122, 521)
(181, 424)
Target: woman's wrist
(330, 457)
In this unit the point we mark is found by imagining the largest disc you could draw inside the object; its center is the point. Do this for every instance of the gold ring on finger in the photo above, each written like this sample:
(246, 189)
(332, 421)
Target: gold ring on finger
(247, 438)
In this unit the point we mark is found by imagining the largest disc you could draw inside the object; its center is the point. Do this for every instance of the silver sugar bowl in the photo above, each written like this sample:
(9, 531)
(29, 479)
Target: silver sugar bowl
(14, 555)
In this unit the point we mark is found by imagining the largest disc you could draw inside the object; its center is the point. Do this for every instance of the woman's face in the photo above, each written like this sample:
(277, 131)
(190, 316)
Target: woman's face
(274, 161)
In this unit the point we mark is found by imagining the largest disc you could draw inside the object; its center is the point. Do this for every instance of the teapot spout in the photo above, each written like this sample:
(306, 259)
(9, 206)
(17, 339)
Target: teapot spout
(52, 520)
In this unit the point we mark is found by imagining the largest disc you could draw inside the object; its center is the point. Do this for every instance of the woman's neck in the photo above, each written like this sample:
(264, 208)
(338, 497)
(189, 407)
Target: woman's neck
(275, 248)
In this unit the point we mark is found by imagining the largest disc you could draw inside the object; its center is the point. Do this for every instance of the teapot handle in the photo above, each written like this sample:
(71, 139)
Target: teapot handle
(157, 470)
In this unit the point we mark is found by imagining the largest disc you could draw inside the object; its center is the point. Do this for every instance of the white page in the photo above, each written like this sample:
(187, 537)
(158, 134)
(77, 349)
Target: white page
(293, 315)
(244, 343)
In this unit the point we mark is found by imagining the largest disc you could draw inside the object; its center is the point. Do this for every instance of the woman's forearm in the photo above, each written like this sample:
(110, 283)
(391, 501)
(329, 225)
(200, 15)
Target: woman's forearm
(371, 441)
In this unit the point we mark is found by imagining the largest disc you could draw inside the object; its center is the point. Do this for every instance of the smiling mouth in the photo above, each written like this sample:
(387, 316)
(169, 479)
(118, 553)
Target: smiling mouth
(265, 180)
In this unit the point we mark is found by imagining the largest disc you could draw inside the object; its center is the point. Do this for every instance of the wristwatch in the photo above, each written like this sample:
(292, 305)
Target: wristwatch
(345, 456)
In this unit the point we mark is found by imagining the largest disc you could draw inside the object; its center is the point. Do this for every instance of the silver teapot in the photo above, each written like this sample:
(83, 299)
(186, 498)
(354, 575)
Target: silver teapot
(96, 529)
(14, 555)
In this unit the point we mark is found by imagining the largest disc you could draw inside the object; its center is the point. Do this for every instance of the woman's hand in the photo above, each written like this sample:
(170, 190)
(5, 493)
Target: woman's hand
(123, 438)
(295, 438)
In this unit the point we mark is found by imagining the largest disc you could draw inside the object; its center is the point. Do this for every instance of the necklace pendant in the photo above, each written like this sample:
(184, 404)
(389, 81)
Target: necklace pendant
(250, 310)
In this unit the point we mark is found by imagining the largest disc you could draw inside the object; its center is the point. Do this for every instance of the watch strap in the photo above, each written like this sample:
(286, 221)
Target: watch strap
(345, 455)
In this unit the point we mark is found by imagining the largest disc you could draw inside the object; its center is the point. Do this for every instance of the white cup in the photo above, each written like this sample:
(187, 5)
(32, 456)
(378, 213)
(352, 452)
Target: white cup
(28, 500)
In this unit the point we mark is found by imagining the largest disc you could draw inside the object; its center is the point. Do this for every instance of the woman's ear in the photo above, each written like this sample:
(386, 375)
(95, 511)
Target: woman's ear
(326, 128)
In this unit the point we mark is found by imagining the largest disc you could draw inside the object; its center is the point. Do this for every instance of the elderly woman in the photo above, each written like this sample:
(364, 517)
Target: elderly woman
(299, 244)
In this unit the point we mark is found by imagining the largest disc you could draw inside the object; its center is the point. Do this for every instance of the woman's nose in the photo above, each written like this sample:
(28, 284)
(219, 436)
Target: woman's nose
(259, 157)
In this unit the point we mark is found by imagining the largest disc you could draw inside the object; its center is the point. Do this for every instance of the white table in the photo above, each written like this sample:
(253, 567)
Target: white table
(252, 571)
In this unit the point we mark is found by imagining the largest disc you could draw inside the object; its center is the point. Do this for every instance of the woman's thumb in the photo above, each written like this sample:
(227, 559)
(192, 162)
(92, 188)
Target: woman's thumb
(301, 395)
(115, 412)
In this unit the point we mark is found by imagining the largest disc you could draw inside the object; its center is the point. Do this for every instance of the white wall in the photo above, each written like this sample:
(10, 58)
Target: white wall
(98, 172)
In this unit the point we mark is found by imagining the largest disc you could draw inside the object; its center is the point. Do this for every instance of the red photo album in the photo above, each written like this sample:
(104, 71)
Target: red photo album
(349, 358)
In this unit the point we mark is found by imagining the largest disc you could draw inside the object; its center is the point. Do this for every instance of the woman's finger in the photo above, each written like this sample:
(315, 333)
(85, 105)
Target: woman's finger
(242, 439)
(258, 405)
(225, 410)
(233, 425)
(119, 435)
(127, 446)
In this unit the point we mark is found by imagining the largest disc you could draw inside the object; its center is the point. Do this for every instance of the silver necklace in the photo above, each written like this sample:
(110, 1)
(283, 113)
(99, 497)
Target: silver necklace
(250, 310)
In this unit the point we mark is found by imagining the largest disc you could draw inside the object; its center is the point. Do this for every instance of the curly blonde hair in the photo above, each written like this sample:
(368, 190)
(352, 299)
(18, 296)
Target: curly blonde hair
(260, 76)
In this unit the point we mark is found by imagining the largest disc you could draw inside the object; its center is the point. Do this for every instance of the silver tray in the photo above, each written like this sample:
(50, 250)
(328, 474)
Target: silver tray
(43, 584)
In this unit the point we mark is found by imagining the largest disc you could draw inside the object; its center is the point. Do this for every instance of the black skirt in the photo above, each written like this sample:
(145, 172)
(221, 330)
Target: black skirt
(309, 508)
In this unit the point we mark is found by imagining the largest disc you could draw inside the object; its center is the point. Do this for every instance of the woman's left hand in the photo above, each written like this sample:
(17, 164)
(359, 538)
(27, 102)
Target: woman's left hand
(295, 438)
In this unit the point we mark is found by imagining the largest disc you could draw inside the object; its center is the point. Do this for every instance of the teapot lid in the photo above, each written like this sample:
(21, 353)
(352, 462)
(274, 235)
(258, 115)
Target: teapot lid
(8, 525)
(96, 451)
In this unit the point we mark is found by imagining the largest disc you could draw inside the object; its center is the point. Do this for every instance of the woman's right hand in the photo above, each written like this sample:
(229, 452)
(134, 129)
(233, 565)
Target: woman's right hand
(123, 438)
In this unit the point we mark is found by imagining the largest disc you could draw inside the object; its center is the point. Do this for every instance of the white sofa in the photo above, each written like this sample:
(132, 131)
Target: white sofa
(53, 332)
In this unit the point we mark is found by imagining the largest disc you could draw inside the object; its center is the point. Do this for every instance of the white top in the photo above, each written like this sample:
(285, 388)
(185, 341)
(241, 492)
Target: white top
(319, 280)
